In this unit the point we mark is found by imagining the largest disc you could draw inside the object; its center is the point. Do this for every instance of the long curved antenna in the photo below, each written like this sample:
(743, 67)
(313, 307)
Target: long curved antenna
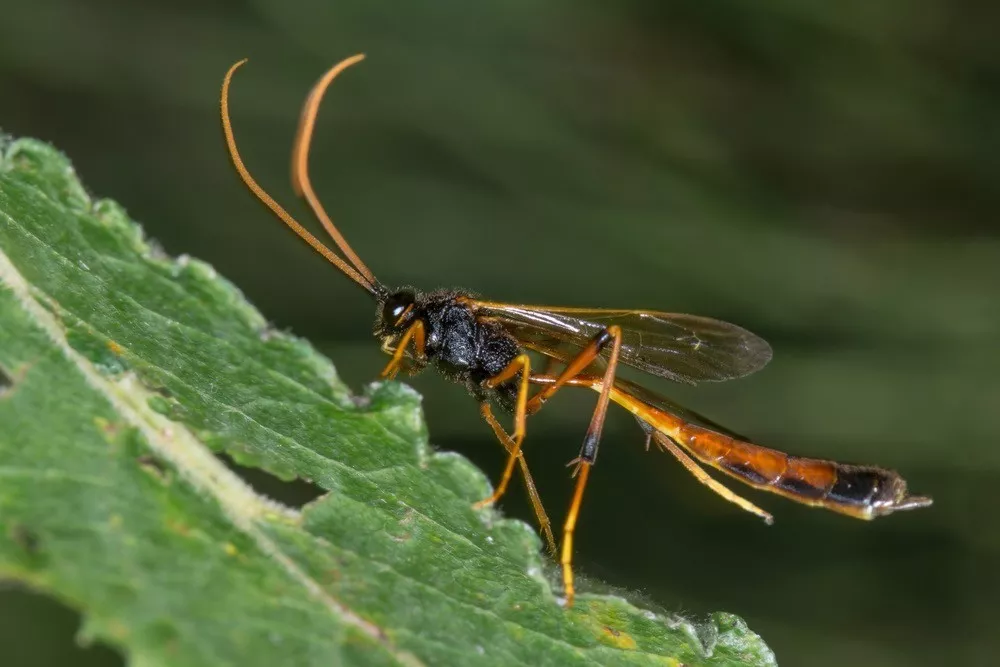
(300, 162)
(369, 283)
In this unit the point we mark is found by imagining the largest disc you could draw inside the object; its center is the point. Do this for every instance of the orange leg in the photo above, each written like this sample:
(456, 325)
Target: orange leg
(588, 452)
(566, 559)
(414, 333)
(513, 446)
(536, 502)
(576, 366)
(699, 474)
(667, 444)
(521, 364)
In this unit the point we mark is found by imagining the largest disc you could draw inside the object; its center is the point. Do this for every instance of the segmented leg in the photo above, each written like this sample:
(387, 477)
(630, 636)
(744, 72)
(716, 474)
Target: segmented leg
(536, 502)
(569, 528)
(662, 440)
(415, 333)
(699, 474)
(588, 452)
(576, 366)
(522, 365)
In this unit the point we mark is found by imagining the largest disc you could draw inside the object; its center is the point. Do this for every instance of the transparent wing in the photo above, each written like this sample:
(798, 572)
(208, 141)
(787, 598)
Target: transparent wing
(683, 348)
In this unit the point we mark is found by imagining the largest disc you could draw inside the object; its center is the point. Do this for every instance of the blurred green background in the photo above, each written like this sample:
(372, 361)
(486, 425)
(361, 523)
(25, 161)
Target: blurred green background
(825, 174)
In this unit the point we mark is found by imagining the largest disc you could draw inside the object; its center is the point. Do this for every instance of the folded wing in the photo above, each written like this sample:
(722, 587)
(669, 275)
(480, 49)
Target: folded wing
(679, 347)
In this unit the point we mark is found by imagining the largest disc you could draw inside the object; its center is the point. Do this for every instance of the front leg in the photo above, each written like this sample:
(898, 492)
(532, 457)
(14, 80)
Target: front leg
(416, 333)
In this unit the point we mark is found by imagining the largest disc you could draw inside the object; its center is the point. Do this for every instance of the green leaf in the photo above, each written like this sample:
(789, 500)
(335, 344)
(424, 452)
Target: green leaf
(123, 372)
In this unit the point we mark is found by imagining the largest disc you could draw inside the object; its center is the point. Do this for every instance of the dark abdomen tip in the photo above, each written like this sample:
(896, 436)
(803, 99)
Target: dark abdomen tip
(856, 486)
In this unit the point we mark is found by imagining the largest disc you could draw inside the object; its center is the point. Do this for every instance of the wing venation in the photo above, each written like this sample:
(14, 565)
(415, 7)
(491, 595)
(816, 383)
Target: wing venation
(680, 347)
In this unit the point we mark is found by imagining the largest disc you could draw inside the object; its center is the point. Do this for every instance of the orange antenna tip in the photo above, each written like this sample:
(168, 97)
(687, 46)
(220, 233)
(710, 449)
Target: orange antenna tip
(364, 278)
(301, 182)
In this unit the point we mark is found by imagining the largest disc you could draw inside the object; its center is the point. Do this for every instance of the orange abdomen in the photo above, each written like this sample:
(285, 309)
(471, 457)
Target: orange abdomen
(864, 492)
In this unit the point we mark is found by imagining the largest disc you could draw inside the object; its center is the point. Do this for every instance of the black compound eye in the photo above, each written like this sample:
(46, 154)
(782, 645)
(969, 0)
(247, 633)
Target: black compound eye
(396, 306)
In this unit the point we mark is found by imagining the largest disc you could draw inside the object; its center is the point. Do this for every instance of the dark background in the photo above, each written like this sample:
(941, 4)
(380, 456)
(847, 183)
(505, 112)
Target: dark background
(824, 174)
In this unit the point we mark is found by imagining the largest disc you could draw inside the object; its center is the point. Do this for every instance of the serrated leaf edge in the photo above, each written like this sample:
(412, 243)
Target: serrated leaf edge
(193, 460)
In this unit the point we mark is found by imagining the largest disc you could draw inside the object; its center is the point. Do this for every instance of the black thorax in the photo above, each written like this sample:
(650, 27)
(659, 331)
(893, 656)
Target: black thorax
(464, 349)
